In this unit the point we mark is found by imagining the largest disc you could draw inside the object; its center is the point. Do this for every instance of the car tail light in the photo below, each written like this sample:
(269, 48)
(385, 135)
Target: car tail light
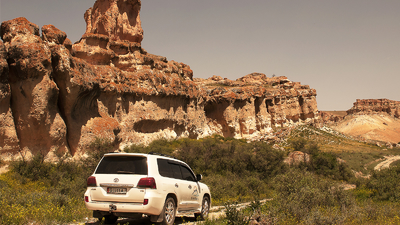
(91, 182)
(145, 202)
(86, 198)
(147, 182)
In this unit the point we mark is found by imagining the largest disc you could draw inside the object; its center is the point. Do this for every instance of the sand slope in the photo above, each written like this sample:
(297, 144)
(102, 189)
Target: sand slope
(374, 127)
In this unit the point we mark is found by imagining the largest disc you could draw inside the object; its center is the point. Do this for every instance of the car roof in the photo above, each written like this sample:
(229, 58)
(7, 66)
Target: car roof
(125, 154)
(157, 155)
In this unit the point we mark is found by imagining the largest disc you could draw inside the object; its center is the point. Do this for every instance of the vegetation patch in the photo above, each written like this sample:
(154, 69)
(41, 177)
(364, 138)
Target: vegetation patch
(42, 192)
(235, 171)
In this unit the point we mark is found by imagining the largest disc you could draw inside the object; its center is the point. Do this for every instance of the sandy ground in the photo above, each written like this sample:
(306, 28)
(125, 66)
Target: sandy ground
(374, 127)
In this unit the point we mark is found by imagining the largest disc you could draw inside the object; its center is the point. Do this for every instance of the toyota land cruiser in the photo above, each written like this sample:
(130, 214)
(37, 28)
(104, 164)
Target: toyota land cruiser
(130, 185)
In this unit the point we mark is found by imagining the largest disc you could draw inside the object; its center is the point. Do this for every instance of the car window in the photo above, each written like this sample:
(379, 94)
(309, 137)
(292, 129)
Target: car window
(176, 170)
(187, 174)
(123, 165)
(164, 168)
(168, 168)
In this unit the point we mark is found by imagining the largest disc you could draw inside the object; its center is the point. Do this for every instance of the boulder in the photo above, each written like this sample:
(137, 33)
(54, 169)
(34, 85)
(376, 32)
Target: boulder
(297, 157)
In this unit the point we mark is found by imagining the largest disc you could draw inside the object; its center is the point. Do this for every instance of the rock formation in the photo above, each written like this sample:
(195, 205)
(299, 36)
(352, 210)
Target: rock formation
(376, 106)
(330, 117)
(372, 119)
(297, 157)
(56, 97)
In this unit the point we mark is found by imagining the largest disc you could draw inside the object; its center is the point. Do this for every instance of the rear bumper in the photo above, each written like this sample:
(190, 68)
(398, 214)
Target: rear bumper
(153, 207)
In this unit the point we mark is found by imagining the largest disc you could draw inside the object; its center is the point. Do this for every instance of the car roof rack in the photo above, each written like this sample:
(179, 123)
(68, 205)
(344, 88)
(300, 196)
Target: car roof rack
(160, 154)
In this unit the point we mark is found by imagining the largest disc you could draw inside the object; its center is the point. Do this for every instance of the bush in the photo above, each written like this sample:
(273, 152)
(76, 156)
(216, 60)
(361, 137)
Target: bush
(235, 216)
(24, 200)
(34, 169)
(234, 169)
(50, 193)
(385, 184)
(322, 163)
(301, 193)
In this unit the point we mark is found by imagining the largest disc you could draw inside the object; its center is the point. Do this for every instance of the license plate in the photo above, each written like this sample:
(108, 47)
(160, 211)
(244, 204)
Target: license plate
(114, 190)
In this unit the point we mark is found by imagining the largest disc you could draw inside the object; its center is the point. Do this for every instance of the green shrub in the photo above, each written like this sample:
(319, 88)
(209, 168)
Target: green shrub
(33, 169)
(385, 184)
(35, 190)
(161, 146)
(97, 149)
(234, 169)
(322, 163)
(235, 216)
(24, 201)
(301, 193)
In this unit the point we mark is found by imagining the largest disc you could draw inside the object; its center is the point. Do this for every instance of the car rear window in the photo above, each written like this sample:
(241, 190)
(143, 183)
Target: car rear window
(123, 165)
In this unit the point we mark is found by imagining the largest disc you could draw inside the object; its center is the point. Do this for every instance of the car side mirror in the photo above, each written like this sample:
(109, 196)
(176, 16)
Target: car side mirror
(199, 177)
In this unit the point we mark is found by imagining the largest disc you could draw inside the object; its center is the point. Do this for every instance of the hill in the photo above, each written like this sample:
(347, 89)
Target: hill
(374, 127)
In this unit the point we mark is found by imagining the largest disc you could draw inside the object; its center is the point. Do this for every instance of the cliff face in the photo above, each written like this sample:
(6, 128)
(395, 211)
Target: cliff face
(371, 119)
(376, 106)
(56, 97)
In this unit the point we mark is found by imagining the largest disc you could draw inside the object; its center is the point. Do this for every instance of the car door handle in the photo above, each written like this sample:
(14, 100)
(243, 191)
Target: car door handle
(176, 185)
(190, 186)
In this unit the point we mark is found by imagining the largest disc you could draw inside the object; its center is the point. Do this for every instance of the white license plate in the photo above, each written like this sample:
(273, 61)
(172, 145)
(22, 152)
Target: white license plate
(114, 190)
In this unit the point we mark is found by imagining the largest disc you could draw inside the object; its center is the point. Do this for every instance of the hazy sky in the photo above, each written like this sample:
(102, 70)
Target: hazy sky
(345, 49)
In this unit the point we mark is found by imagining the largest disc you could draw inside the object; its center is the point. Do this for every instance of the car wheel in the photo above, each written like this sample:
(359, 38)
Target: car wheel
(205, 209)
(169, 212)
(110, 219)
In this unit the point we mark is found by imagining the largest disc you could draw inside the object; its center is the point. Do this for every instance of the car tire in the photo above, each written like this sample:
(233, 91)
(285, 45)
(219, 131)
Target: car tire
(110, 219)
(205, 209)
(169, 211)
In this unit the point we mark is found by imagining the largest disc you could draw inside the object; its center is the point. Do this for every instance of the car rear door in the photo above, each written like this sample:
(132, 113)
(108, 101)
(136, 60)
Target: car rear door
(117, 178)
(190, 189)
(180, 179)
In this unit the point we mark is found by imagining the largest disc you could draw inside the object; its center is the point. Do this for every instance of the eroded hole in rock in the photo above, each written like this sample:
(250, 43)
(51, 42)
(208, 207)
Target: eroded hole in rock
(215, 111)
(239, 104)
(153, 126)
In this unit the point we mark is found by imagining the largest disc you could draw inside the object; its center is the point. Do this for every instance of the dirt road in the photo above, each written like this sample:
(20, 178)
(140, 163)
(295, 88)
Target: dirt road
(386, 162)
(189, 219)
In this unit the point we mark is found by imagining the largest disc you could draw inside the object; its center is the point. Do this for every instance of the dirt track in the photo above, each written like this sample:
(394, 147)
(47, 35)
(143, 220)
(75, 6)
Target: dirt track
(215, 212)
(386, 163)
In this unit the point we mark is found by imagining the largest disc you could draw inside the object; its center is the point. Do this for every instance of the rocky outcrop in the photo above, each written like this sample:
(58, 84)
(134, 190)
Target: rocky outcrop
(56, 97)
(8, 135)
(116, 19)
(376, 106)
(253, 104)
(34, 94)
(331, 116)
(297, 157)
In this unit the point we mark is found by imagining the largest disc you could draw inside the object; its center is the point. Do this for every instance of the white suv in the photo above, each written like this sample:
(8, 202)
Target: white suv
(132, 184)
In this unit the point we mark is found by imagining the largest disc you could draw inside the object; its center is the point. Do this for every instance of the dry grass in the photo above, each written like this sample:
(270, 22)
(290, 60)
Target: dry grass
(360, 156)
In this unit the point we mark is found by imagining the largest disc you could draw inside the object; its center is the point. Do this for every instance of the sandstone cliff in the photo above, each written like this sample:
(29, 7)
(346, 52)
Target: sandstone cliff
(57, 98)
(376, 106)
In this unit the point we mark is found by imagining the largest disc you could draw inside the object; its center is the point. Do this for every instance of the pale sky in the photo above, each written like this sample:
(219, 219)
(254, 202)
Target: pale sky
(345, 49)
